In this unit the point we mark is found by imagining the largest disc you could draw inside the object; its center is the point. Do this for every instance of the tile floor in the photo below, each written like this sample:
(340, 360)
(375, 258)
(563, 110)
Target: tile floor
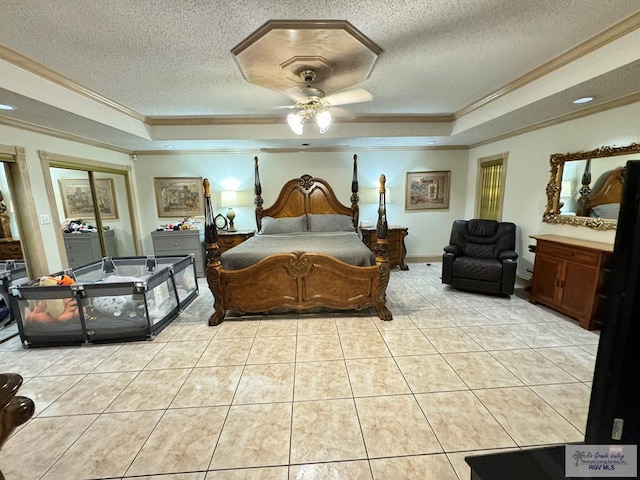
(310, 396)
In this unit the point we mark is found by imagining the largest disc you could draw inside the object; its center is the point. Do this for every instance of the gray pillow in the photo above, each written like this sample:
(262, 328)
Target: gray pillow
(607, 210)
(330, 222)
(271, 226)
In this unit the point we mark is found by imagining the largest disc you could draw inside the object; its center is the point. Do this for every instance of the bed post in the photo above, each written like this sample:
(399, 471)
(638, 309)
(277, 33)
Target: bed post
(355, 210)
(257, 189)
(212, 255)
(382, 254)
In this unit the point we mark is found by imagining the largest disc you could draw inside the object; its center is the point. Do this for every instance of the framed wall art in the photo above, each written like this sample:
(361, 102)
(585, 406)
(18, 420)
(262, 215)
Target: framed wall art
(78, 203)
(427, 190)
(179, 196)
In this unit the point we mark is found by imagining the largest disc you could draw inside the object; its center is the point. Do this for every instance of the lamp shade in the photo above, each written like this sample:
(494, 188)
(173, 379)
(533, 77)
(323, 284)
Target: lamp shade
(228, 198)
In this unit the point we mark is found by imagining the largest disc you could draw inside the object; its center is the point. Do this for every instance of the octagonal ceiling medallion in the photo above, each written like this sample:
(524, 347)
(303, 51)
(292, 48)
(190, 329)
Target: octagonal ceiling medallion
(274, 55)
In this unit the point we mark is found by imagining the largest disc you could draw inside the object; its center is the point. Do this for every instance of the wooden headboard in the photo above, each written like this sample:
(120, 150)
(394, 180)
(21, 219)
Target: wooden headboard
(608, 188)
(305, 195)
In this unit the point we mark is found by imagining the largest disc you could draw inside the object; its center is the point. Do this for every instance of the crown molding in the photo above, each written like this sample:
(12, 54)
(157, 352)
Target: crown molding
(12, 122)
(599, 40)
(253, 151)
(601, 107)
(276, 120)
(36, 68)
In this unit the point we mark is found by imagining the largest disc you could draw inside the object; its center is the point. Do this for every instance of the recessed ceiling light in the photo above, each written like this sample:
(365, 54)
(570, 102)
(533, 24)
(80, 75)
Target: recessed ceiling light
(4, 106)
(431, 142)
(305, 144)
(583, 100)
(168, 146)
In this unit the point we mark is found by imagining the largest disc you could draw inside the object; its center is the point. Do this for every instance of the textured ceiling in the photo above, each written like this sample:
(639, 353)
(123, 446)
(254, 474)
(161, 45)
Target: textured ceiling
(160, 58)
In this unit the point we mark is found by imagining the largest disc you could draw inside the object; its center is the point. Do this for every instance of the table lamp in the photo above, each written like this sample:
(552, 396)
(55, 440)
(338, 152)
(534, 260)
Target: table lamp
(229, 198)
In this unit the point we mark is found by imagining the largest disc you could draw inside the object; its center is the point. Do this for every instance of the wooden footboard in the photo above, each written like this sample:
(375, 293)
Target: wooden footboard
(298, 281)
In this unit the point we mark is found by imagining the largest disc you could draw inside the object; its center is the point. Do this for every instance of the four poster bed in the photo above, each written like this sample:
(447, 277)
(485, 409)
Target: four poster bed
(306, 254)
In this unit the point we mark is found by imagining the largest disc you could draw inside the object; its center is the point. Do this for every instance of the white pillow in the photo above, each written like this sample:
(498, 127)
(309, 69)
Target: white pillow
(271, 225)
(330, 222)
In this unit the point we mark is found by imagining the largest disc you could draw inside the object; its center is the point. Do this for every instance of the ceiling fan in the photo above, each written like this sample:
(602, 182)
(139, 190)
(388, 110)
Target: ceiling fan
(314, 104)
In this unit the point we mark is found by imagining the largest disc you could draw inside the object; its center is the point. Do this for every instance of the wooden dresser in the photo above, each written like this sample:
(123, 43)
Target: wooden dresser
(227, 240)
(397, 249)
(569, 275)
(10, 249)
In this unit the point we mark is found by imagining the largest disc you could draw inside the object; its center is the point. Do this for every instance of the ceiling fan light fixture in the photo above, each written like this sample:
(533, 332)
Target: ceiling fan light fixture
(323, 119)
(295, 122)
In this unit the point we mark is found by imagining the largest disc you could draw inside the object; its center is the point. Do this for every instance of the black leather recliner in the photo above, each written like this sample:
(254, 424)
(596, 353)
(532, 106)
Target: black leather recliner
(481, 256)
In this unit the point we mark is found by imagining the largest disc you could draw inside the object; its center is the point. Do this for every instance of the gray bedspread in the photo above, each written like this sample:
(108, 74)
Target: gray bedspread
(345, 246)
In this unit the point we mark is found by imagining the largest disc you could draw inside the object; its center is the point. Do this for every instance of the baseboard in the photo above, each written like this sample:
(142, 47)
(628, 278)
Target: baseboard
(423, 258)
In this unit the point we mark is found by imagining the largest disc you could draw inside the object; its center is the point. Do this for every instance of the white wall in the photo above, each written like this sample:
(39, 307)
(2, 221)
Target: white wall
(428, 230)
(528, 171)
(32, 142)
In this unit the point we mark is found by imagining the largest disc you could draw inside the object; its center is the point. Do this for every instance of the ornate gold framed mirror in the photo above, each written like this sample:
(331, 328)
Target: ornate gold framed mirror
(585, 187)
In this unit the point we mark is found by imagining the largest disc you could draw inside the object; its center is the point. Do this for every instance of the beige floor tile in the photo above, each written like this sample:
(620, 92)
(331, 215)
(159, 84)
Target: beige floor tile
(574, 360)
(269, 473)
(321, 381)
(461, 422)
(194, 331)
(254, 436)
(395, 425)
(376, 376)
(324, 431)
(34, 361)
(226, 351)
(178, 355)
(355, 323)
(81, 360)
(531, 367)
(46, 390)
(176, 476)
(407, 342)
(310, 324)
(451, 340)
(466, 317)
(183, 440)
(208, 387)
(430, 319)
(481, 370)
(313, 348)
(571, 331)
(363, 345)
(592, 349)
(527, 418)
(503, 315)
(265, 383)
(354, 470)
(422, 466)
(535, 335)
(150, 390)
(462, 468)
(571, 400)
(232, 328)
(273, 350)
(130, 357)
(449, 300)
(400, 322)
(107, 448)
(493, 337)
(29, 453)
(277, 327)
(92, 394)
(429, 373)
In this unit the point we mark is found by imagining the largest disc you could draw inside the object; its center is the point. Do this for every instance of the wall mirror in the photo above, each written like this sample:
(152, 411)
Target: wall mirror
(585, 187)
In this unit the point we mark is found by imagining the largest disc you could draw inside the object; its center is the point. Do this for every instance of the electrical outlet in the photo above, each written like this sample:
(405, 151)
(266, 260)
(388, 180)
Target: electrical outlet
(45, 219)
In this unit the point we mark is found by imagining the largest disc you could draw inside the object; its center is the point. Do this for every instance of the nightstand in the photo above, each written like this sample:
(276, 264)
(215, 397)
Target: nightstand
(397, 249)
(227, 240)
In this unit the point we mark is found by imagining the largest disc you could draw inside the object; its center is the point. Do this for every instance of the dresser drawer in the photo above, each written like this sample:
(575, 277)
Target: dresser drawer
(228, 242)
(568, 253)
(81, 245)
(171, 244)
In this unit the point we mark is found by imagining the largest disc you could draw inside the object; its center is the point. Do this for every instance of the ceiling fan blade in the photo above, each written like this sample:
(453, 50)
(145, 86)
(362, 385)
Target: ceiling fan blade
(356, 95)
(340, 112)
